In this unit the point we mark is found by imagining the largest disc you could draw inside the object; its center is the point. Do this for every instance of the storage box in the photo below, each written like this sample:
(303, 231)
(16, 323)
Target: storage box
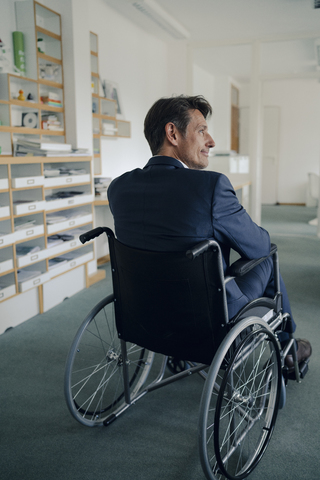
(68, 202)
(4, 184)
(71, 264)
(28, 232)
(73, 222)
(32, 258)
(63, 247)
(37, 206)
(7, 292)
(4, 211)
(34, 282)
(7, 239)
(21, 182)
(6, 265)
(66, 180)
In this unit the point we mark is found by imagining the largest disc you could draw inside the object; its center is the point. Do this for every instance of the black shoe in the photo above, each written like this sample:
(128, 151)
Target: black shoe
(304, 351)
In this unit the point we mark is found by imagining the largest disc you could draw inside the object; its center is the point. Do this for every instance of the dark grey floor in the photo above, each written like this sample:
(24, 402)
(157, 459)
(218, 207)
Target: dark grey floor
(157, 438)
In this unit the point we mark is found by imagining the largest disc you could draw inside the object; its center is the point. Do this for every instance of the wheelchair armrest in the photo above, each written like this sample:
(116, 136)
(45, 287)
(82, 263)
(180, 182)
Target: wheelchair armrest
(201, 248)
(241, 267)
(96, 232)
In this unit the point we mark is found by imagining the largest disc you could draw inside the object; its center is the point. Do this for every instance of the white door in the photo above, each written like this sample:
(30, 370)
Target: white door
(270, 155)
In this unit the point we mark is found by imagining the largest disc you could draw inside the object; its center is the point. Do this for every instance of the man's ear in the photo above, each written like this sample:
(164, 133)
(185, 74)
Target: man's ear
(172, 133)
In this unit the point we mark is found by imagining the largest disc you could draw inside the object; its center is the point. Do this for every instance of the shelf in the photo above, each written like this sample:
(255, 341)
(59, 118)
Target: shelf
(48, 33)
(50, 83)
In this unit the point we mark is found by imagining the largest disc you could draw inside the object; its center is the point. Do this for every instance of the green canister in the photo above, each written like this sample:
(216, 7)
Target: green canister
(18, 49)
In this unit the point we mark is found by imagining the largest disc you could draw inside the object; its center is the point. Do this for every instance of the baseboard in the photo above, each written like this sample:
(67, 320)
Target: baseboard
(292, 204)
(103, 260)
(96, 277)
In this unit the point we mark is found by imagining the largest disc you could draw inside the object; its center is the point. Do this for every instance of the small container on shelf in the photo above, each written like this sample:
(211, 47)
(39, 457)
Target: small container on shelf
(67, 197)
(60, 174)
(28, 226)
(60, 221)
(70, 260)
(6, 259)
(7, 286)
(26, 201)
(32, 276)
(30, 252)
(7, 237)
(4, 205)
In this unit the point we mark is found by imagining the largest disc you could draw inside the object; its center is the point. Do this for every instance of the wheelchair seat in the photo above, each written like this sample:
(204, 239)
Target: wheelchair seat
(174, 305)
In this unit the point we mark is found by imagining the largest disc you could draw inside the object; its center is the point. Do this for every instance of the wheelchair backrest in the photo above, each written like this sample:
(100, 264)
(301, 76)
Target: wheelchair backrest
(167, 302)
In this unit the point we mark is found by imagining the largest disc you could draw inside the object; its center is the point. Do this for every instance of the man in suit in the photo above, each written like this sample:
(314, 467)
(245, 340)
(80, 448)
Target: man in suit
(172, 203)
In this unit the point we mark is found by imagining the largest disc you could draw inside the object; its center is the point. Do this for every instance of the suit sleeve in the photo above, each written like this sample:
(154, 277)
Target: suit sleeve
(233, 226)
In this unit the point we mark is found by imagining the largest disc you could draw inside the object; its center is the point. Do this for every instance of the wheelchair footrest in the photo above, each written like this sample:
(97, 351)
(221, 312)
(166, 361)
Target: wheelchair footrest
(109, 420)
(303, 370)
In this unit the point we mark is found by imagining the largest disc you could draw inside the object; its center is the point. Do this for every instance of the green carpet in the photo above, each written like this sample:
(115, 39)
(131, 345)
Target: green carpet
(157, 438)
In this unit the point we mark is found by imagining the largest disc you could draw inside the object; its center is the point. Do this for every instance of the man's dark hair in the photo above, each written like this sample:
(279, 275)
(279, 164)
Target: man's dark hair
(175, 110)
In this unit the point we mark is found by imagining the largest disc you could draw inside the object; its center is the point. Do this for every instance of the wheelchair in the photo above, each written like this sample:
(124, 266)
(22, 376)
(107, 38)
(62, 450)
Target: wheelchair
(174, 304)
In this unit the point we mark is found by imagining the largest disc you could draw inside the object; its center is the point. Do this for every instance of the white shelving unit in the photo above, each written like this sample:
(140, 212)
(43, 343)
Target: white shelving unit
(40, 224)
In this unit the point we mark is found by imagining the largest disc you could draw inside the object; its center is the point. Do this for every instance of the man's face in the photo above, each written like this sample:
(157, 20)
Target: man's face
(193, 148)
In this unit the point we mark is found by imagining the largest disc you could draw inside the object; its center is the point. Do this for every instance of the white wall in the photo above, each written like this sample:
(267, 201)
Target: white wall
(203, 84)
(299, 133)
(299, 148)
(137, 62)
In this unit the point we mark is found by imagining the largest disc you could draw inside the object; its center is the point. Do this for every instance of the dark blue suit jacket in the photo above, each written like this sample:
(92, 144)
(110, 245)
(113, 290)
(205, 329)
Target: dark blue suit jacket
(166, 207)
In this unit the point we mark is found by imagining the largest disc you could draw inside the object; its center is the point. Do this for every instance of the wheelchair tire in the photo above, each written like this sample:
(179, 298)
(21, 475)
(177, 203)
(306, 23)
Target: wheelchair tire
(93, 383)
(240, 400)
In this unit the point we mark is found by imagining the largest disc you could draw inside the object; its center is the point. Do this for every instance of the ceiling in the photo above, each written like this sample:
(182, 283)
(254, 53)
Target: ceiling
(221, 33)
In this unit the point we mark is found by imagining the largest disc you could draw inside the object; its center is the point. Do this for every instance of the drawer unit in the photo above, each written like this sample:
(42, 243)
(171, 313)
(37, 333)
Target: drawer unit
(34, 282)
(29, 232)
(29, 207)
(6, 265)
(4, 211)
(22, 182)
(66, 180)
(7, 292)
(73, 222)
(68, 202)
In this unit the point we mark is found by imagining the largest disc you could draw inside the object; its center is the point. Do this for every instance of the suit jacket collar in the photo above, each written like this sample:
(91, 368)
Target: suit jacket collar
(166, 161)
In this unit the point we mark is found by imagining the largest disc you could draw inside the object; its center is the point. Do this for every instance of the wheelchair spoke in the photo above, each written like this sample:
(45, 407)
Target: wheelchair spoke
(240, 414)
(94, 385)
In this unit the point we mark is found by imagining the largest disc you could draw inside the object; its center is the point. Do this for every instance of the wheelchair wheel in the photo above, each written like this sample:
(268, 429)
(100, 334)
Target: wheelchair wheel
(93, 382)
(240, 400)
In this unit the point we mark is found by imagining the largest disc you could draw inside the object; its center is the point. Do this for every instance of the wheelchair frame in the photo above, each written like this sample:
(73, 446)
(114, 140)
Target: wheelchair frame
(244, 385)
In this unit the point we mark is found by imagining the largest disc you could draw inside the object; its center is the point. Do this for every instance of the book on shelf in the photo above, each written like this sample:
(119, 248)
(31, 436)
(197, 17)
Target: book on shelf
(24, 148)
(38, 145)
(23, 250)
(24, 275)
(55, 262)
(24, 224)
(52, 102)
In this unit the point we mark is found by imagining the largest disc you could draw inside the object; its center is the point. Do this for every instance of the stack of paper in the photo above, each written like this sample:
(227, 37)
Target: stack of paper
(22, 250)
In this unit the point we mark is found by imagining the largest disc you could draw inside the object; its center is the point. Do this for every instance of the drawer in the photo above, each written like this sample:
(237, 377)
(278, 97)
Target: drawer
(32, 258)
(4, 211)
(22, 182)
(66, 180)
(68, 202)
(73, 222)
(29, 207)
(4, 183)
(34, 282)
(71, 264)
(8, 239)
(7, 292)
(63, 247)
(6, 265)
(29, 232)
